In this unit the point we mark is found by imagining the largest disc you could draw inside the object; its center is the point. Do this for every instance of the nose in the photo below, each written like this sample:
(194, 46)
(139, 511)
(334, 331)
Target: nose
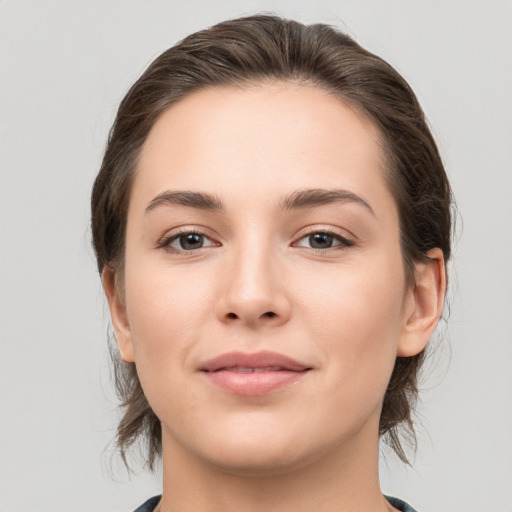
(254, 291)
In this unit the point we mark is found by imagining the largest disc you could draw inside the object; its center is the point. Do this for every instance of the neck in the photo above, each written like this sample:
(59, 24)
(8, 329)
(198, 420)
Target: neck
(339, 481)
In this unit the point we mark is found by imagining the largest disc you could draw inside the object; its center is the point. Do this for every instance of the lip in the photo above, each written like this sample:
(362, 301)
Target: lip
(253, 374)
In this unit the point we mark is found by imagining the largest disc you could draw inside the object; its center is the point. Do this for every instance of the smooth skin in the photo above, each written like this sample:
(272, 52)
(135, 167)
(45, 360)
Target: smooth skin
(253, 268)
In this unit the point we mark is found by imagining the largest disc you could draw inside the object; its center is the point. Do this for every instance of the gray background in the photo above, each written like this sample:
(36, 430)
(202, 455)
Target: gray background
(65, 65)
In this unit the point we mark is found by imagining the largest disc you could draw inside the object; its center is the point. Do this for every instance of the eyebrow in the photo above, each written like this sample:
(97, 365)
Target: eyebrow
(318, 197)
(299, 199)
(198, 200)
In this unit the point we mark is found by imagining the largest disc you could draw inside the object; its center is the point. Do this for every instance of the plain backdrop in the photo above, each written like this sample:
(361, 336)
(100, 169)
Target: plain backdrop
(65, 65)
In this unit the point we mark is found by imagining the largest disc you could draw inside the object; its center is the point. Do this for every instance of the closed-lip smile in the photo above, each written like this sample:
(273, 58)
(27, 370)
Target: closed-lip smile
(253, 374)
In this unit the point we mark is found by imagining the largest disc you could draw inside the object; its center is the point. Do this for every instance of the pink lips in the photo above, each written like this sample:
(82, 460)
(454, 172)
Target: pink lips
(253, 374)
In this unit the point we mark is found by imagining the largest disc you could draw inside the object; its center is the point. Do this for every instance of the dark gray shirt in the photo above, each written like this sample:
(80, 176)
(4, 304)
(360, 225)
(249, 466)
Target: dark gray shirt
(150, 505)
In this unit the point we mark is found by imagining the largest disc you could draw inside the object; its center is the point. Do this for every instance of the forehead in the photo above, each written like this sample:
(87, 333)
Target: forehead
(267, 136)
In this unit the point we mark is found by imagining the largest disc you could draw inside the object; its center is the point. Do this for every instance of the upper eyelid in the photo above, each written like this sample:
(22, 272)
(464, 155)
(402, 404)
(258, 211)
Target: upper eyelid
(185, 230)
(342, 233)
(170, 237)
(345, 241)
(303, 232)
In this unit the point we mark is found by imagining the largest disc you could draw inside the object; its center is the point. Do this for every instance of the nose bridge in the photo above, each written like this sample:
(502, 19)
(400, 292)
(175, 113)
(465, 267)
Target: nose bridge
(253, 271)
(254, 292)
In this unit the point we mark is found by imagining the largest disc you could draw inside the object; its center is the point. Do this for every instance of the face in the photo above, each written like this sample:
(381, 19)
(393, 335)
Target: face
(264, 291)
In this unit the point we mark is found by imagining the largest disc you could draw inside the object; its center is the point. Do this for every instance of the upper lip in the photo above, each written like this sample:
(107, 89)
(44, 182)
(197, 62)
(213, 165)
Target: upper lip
(263, 359)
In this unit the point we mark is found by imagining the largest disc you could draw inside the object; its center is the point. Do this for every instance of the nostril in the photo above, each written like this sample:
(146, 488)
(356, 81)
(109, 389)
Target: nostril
(234, 316)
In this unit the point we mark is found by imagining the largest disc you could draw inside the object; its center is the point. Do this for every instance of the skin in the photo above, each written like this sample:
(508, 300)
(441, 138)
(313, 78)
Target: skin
(258, 284)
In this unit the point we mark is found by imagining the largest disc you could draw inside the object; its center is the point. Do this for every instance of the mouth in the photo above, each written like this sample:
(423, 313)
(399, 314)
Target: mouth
(253, 374)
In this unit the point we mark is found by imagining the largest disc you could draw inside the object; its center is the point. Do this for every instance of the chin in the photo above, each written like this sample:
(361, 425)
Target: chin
(259, 450)
(258, 461)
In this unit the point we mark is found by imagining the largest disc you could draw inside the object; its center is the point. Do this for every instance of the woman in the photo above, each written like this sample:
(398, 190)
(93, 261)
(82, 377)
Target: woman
(272, 225)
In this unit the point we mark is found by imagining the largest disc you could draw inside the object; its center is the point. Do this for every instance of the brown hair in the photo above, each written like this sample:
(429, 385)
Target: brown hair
(261, 48)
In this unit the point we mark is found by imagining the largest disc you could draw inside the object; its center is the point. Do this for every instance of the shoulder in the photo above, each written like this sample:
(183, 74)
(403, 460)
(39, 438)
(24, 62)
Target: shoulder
(400, 505)
(149, 505)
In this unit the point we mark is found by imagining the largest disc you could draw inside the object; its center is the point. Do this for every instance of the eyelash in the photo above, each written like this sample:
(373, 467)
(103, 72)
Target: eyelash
(344, 242)
(165, 243)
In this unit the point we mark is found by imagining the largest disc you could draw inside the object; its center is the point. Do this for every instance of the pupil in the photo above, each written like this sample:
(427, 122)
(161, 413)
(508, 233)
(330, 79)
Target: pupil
(191, 241)
(320, 240)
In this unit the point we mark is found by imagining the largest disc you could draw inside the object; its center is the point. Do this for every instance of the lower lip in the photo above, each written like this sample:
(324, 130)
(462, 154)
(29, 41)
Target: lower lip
(253, 384)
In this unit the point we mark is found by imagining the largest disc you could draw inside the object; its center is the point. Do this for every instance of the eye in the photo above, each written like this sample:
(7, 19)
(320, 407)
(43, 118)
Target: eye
(187, 241)
(322, 240)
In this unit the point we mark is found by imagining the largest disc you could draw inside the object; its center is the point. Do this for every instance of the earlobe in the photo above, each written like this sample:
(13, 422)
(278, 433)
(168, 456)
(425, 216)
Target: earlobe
(425, 304)
(118, 314)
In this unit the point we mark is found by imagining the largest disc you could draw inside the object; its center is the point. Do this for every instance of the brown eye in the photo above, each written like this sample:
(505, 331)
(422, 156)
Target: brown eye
(323, 240)
(320, 240)
(190, 241)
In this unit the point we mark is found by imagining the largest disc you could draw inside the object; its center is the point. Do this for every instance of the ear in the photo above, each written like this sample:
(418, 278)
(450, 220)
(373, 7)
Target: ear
(118, 314)
(424, 304)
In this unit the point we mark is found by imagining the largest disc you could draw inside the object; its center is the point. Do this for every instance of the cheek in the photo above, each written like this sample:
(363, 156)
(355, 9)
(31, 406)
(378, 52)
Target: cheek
(166, 310)
(355, 313)
(358, 296)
